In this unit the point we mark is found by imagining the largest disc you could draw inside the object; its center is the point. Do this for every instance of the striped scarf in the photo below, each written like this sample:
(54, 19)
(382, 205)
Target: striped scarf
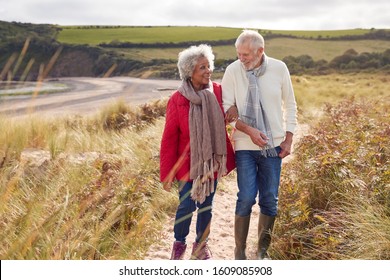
(254, 113)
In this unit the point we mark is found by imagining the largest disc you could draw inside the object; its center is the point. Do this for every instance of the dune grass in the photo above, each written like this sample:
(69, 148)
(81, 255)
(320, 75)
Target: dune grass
(314, 92)
(335, 194)
(81, 188)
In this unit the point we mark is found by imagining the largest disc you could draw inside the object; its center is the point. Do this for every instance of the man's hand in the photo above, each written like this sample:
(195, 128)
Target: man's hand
(258, 137)
(286, 145)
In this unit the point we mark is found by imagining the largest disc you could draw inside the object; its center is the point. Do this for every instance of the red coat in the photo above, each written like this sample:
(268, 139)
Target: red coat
(175, 143)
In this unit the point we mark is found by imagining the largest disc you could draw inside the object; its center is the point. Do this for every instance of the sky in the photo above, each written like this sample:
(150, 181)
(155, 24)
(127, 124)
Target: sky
(260, 14)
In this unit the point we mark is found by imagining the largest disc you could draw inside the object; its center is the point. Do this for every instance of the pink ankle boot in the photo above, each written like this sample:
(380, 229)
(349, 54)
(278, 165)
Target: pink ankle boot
(200, 251)
(178, 250)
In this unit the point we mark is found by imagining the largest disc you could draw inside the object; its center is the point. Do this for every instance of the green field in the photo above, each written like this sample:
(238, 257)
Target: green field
(94, 35)
(276, 47)
(97, 35)
(151, 51)
(323, 33)
(282, 47)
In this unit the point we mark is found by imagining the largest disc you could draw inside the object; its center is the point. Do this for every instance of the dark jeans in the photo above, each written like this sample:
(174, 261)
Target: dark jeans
(185, 211)
(257, 175)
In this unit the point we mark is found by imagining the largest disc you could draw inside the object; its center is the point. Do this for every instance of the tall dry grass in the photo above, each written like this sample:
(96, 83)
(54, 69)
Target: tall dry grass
(335, 196)
(82, 188)
(313, 92)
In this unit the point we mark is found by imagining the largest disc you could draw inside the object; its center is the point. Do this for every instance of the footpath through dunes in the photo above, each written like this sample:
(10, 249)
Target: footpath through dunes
(83, 96)
(221, 239)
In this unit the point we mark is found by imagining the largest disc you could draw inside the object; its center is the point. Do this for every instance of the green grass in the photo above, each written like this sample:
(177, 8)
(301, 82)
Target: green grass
(327, 50)
(275, 47)
(322, 33)
(94, 36)
(278, 48)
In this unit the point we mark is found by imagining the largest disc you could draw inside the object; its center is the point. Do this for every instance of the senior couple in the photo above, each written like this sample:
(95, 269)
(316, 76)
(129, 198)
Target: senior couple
(256, 98)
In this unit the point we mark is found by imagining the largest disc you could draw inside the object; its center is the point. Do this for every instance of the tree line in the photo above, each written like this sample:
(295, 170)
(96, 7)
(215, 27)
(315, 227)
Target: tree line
(351, 60)
(84, 60)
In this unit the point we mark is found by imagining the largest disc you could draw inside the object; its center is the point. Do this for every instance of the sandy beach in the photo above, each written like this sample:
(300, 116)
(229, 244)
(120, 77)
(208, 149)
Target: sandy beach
(82, 96)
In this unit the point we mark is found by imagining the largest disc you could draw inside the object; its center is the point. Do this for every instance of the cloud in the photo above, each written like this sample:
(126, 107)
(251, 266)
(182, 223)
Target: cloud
(271, 14)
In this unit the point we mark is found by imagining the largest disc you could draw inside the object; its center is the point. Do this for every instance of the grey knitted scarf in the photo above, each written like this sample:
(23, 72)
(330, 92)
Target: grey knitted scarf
(207, 140)
(254, 113)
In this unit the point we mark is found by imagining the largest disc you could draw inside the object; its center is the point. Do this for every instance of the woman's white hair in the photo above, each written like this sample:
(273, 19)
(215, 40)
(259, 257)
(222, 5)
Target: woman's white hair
(189, 57)
(252, 37)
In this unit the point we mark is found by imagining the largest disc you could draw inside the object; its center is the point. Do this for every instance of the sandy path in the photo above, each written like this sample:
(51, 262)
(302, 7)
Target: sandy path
(221, 239)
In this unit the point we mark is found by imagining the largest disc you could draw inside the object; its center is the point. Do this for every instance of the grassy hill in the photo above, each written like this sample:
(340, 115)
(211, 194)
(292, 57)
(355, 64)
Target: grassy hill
(151, 51)
(94, 35)
(279, 43)
(16, 31)
(276, 47)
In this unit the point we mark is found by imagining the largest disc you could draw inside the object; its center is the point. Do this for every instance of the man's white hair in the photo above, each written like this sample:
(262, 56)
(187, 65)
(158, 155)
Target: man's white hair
(189, 57)
(252, 37)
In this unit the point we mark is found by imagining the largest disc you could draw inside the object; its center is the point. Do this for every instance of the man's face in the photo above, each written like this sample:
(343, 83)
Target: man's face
(249, 57)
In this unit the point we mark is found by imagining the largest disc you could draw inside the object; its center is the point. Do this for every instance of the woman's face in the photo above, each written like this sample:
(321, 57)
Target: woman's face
(201, 75)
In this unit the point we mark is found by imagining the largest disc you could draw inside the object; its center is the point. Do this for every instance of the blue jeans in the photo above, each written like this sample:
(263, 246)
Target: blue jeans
(257, 175)
(185, 211)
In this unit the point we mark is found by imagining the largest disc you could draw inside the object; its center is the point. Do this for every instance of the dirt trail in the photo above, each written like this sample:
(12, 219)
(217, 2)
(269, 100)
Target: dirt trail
(221, 239)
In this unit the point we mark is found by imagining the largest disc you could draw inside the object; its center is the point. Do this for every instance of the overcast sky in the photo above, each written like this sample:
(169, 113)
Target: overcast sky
(261, 14)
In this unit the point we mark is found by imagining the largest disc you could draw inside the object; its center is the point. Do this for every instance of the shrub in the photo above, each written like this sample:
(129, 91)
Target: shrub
(335, 198)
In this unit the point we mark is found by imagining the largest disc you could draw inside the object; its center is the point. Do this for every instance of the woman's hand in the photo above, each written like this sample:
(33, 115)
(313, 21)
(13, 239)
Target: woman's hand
(231, 114)
(167, 186)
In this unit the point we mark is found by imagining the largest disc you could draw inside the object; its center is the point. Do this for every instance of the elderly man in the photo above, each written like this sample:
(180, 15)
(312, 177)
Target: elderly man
(260, 89)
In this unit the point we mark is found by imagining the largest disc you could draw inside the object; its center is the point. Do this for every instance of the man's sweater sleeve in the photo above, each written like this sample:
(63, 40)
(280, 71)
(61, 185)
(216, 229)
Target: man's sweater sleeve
(228, 88)
(289, 103)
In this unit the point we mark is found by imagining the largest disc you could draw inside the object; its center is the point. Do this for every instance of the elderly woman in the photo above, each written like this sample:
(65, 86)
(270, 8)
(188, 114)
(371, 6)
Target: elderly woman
(195, 149)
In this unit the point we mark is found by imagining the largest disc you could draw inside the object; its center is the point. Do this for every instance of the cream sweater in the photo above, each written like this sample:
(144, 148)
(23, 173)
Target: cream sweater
(278, 95)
